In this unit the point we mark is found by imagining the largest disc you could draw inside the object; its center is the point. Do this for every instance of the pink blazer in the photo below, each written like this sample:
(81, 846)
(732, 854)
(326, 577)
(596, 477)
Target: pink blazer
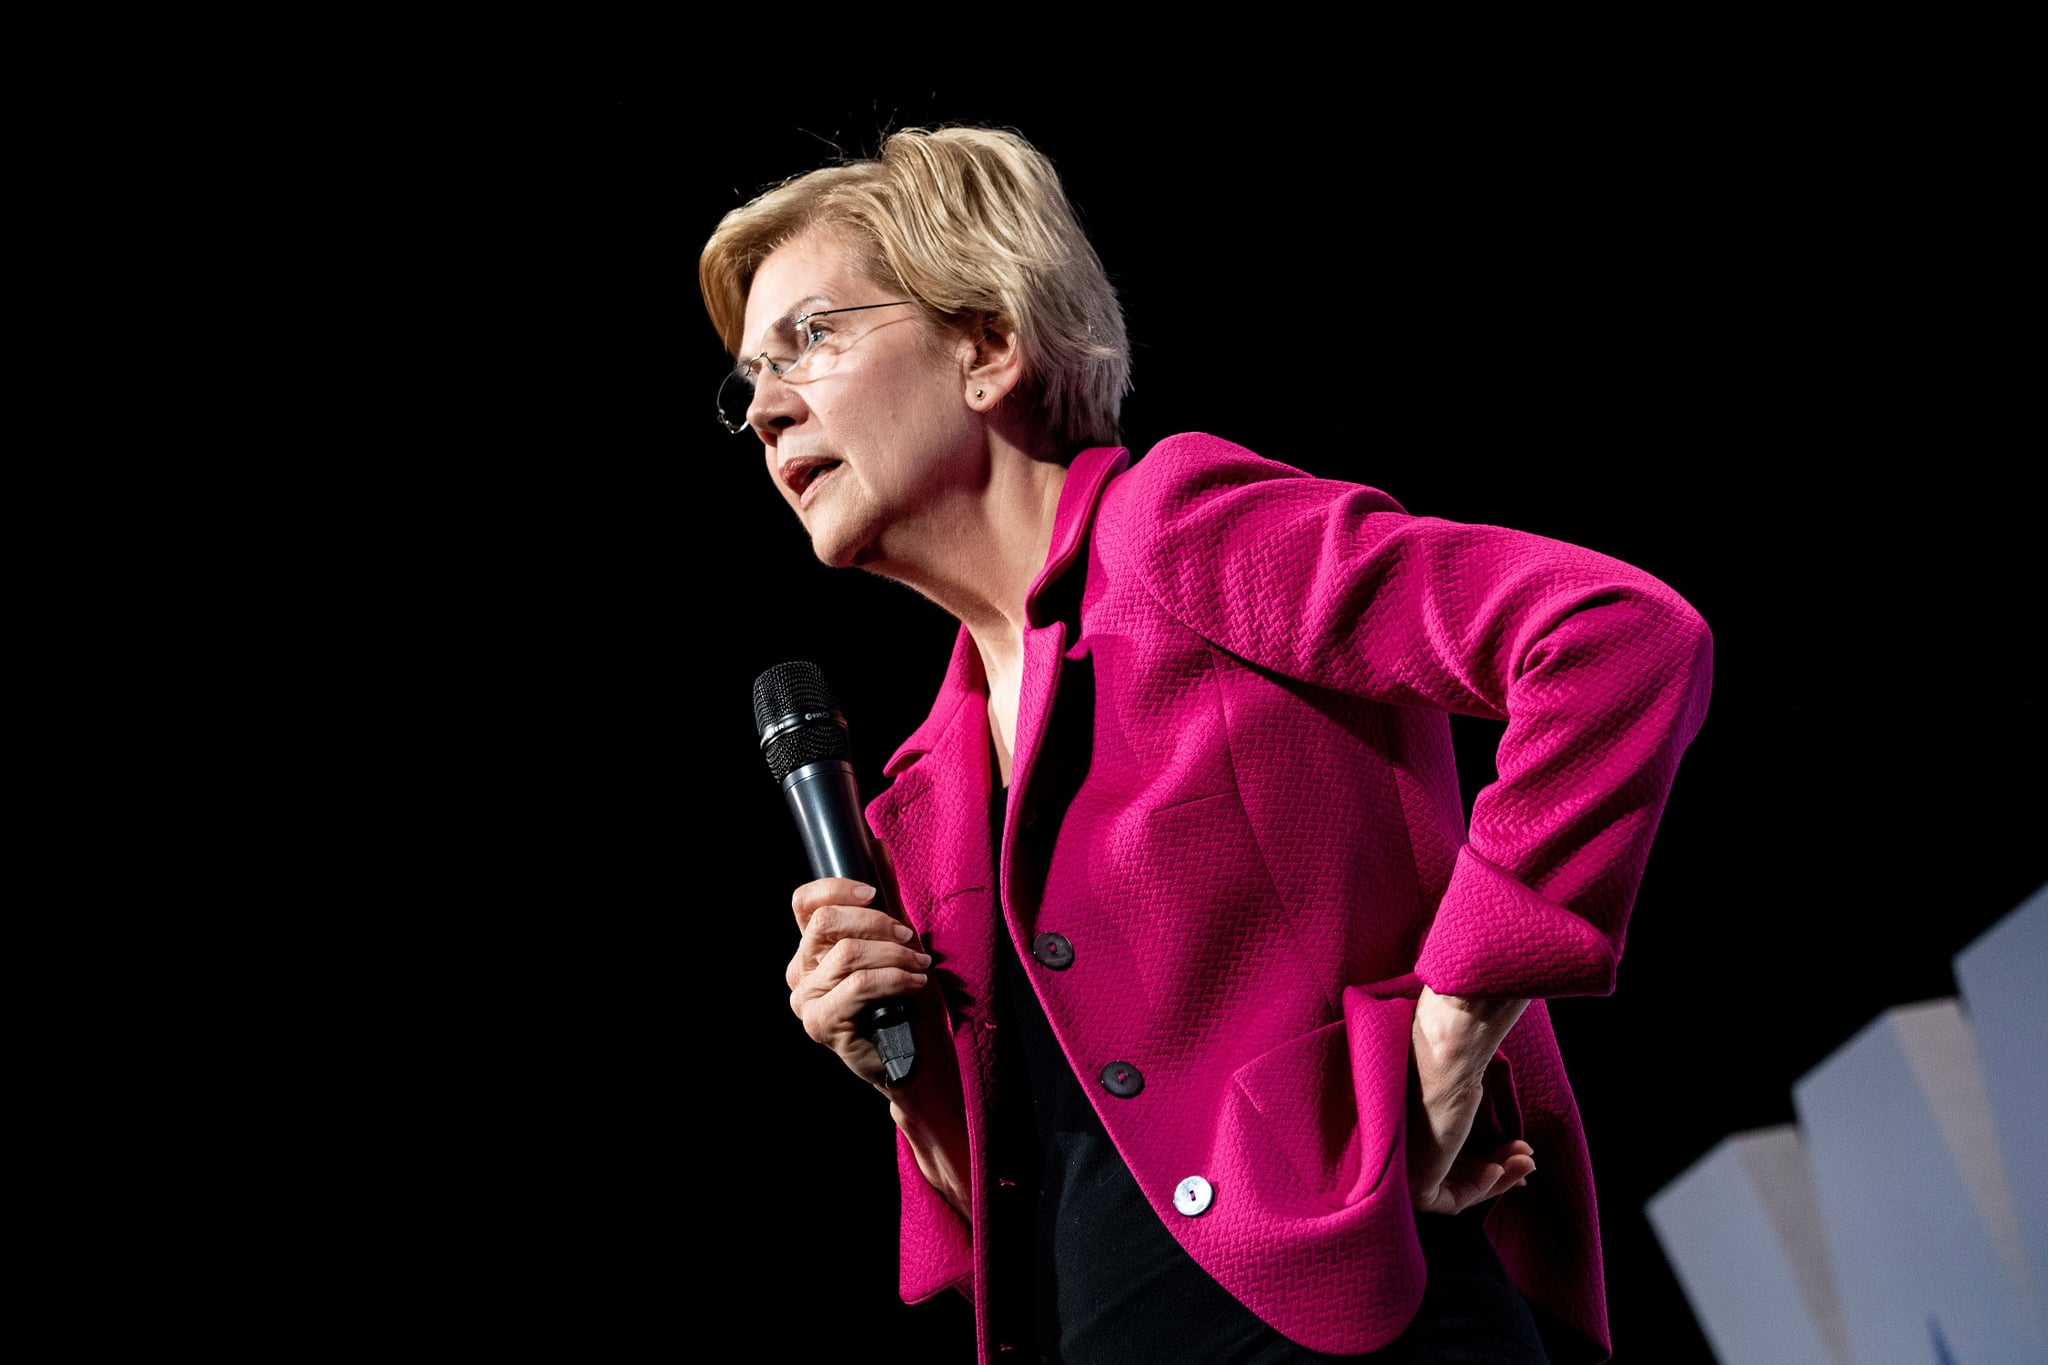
(1260, 854)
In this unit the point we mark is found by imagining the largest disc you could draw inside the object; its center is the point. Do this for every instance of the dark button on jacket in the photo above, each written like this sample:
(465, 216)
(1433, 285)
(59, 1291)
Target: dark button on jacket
(1054, 951)
(1122, 1080)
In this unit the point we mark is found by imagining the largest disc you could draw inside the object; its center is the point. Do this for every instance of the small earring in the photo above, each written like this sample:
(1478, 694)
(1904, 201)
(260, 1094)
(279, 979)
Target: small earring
(977, 393)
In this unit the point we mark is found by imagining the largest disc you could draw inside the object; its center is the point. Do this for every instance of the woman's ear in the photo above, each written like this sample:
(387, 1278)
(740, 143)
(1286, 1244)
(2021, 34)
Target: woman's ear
(995, 366)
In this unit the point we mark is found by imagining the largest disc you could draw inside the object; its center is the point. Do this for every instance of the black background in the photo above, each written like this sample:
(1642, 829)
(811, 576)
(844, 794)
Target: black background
(1740, 329)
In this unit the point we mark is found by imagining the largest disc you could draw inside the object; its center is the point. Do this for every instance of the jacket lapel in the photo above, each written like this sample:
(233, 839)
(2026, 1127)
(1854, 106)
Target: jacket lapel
(1046, 640)
(934, 816)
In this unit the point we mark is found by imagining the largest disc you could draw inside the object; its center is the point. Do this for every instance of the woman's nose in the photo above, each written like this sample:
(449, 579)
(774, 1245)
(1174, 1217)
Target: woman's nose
(775, 405)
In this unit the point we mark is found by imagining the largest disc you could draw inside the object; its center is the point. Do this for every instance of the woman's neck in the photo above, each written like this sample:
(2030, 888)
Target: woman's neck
(979, 560)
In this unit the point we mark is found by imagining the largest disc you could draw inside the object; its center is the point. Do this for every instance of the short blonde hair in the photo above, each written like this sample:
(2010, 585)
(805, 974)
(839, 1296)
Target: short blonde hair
(972, 224)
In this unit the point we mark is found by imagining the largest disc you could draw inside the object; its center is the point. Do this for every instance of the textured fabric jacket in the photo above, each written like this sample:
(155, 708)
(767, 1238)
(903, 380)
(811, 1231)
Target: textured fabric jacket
(1235, 804)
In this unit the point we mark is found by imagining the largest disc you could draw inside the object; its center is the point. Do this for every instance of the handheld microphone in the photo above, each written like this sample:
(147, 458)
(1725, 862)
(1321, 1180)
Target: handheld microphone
(803, 737)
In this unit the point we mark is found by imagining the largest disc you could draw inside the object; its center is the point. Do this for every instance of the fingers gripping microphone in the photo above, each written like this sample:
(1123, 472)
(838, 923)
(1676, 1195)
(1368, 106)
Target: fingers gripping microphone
(803, 736)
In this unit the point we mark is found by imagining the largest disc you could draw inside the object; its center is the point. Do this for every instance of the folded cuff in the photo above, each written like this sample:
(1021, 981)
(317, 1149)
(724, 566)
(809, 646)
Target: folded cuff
(937, 1250)
(1494, 937)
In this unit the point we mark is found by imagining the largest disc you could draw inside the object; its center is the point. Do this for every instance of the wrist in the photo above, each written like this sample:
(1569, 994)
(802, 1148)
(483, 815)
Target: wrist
(1456, 1036)
(937, 1135)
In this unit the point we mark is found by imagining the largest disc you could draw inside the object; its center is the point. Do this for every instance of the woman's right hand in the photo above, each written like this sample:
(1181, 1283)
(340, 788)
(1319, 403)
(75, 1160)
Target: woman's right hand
(850, 955)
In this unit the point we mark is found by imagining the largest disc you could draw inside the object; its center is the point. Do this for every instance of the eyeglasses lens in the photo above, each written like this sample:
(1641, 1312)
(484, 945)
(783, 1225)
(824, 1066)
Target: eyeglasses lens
(734, 397)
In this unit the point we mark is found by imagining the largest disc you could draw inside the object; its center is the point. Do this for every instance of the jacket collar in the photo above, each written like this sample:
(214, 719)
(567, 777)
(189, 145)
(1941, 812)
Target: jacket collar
(1087, 476)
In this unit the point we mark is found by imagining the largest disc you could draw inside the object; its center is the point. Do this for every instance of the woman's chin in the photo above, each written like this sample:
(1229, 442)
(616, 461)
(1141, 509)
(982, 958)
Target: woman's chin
(836, 548)
(847, 535)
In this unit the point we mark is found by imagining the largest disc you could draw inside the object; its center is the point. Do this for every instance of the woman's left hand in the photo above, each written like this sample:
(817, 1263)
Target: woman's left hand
(1453, 1040)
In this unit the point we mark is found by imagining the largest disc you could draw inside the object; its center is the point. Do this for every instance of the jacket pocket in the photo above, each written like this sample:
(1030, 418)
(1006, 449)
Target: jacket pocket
(1333, 1102)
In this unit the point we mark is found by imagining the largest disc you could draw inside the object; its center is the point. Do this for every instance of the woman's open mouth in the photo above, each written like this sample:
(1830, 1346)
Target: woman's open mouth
(810, 479)
(803, 476)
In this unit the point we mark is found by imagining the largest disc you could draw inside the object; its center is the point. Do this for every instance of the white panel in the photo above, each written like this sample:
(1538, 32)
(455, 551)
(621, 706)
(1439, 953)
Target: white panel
(2003, 977)
(1742, 1232)
(1907, 1178)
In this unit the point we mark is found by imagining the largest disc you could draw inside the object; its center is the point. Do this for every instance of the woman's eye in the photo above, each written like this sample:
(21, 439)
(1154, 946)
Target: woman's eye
(809, 338)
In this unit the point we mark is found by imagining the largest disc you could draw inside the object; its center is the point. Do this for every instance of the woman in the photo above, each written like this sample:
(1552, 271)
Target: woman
(1231, 1036)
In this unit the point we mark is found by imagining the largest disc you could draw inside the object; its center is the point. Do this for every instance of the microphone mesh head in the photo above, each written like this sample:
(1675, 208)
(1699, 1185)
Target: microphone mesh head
(797, 691)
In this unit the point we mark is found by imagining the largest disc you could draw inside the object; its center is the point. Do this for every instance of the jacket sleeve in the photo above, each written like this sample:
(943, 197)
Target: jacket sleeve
(1600, 671)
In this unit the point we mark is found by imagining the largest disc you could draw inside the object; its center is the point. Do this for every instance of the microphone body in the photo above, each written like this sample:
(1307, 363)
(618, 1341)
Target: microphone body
(803, 735)
(826, 807)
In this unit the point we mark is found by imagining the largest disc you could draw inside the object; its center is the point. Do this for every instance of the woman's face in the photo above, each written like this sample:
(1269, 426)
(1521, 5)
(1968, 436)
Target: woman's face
(865, 450)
